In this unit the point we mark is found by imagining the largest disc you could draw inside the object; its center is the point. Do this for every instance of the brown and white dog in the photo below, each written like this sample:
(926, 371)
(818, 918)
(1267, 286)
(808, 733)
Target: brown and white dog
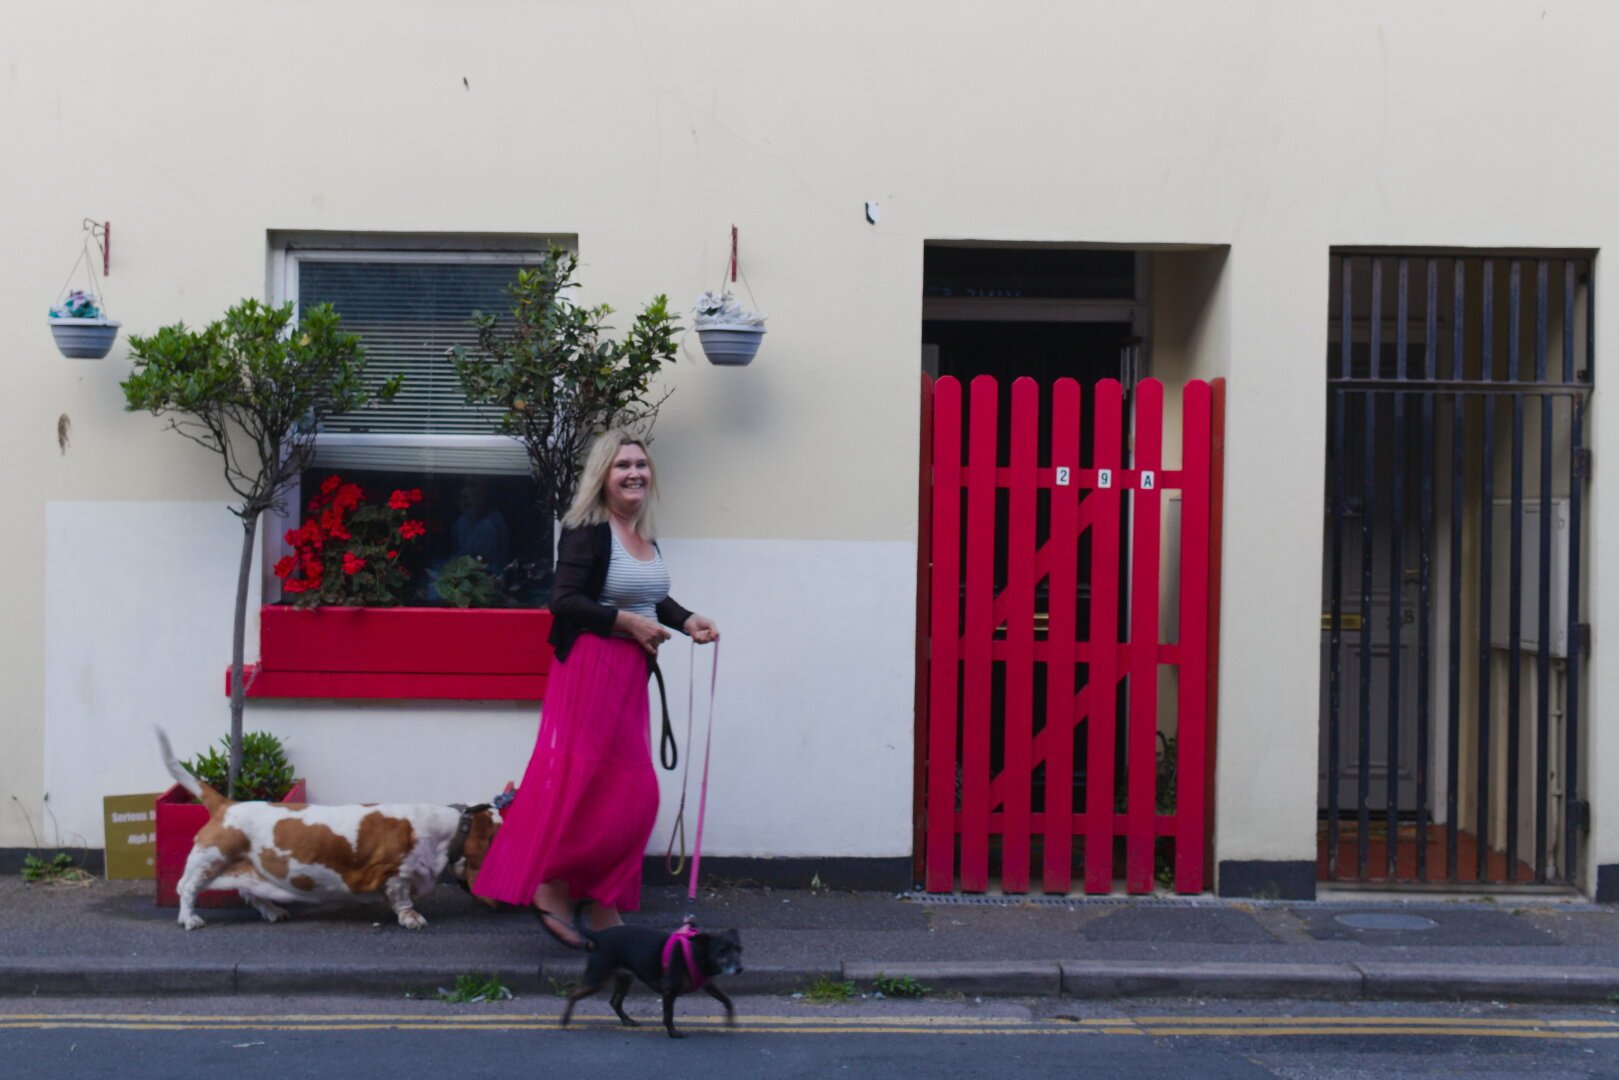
(273, 854)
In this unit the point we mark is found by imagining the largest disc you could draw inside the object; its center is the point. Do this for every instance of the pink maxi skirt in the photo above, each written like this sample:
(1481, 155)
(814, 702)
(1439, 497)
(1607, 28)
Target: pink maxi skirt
(589, 799)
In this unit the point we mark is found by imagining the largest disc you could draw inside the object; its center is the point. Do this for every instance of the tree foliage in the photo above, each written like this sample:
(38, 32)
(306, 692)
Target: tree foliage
(253, 390)
(557, 378)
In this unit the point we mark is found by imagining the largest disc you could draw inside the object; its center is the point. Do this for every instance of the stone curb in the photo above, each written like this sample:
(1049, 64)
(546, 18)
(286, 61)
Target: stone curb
(1517, 983)
(1079, 979)
(1108, 979)
(92, 977)
(372, 979)
(1015, 979)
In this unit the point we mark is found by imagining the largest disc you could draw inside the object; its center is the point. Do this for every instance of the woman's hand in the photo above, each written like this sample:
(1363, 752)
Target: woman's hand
(648, 633)
(702, 630)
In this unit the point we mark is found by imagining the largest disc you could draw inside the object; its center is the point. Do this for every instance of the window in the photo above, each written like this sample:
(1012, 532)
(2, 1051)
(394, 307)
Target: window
(410, 306)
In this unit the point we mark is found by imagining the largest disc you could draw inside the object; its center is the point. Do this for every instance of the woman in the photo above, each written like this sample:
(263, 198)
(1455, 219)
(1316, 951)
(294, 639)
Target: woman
(579, 825)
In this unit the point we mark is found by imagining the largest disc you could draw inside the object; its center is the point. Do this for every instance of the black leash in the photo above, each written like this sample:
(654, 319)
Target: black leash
(668, 752)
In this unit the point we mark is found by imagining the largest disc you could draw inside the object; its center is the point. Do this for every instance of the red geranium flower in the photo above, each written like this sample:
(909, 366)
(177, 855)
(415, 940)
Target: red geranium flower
(410, 530)
(348, 497)
(352, 563)
(284, 567)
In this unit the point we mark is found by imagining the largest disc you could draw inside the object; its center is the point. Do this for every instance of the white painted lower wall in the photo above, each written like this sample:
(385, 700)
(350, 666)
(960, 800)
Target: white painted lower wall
(813, 722)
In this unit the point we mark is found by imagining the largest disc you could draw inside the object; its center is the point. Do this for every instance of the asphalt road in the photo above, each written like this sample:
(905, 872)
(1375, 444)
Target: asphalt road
(248, 1038)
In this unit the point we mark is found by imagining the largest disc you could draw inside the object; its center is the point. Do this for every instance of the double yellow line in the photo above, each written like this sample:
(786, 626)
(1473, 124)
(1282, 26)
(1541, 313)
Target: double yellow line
(1154, 1026)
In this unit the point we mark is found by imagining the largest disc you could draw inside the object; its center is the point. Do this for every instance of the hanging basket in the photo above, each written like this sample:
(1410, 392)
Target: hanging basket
(730, 333)
(84, 339)
(731, 345)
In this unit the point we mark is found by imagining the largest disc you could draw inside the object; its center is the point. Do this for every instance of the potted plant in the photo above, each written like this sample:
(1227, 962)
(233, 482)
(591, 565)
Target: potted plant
(253, 389)
(80, 327)
(730, 333)
(264, 774)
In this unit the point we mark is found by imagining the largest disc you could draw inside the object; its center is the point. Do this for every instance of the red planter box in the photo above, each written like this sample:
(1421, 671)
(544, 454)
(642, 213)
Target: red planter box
(179, 817)
(401, 653)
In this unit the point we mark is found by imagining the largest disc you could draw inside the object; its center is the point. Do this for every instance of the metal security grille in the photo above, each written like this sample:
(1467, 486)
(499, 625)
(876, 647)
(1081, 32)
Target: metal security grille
(1451, 618)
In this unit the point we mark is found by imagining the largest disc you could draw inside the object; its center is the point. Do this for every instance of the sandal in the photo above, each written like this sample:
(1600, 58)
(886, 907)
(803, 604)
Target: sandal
(576, 943)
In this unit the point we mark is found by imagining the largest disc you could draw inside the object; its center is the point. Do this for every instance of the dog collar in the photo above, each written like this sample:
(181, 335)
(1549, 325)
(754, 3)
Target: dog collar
(458, 842)
(682, 939)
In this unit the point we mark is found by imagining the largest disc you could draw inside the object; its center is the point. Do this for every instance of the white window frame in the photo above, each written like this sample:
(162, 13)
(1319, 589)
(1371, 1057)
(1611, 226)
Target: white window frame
(289, 250)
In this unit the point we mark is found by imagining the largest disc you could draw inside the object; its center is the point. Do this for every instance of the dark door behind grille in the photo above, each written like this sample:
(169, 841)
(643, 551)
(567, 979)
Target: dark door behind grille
(1451, 630)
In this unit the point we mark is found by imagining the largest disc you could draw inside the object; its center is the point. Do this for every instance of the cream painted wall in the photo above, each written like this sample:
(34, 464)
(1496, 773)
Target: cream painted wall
(812, 722)
(647, 129)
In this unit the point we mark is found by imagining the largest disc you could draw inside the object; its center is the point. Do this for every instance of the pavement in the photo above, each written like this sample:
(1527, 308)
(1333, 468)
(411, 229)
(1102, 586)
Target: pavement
(109, 938)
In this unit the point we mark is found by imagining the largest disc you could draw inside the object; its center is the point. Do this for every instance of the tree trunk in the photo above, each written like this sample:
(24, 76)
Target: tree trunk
(238, 688)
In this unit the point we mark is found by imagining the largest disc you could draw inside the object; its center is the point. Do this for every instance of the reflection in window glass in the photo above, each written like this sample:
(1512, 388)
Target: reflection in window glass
(498, 519)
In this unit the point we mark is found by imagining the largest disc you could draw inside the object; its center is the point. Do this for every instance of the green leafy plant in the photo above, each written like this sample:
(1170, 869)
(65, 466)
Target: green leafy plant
(464, 582)
(900, 986)
(473, 989)
(265, 771)
(829, 991)
(61, 868)
(253, 389)
(556, 377)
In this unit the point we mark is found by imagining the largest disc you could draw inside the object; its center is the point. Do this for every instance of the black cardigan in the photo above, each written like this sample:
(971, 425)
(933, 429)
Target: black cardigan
(582, 559)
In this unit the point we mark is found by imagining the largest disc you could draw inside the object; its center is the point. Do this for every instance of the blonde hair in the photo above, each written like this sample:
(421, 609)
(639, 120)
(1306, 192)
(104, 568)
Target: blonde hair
(590, 500)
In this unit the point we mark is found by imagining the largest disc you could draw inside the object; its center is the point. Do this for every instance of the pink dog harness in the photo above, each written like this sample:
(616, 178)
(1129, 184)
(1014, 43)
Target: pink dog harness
(682, 939)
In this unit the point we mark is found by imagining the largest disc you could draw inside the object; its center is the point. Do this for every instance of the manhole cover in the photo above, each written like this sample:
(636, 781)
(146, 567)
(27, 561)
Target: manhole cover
(1385, 920)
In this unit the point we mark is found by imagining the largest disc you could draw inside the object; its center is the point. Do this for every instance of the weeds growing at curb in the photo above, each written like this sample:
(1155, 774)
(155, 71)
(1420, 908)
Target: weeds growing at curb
(62, 868)
(474, 989)
(59, 871)
(829, 991)
(562, 986)
(899, 986)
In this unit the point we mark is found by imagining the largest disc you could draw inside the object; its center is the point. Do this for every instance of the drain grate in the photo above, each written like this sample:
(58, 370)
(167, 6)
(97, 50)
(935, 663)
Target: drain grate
(1215, 902)
(959, 900)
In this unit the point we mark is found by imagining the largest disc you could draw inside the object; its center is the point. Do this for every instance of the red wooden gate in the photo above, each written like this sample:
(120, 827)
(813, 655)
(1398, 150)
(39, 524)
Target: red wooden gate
(977, 632)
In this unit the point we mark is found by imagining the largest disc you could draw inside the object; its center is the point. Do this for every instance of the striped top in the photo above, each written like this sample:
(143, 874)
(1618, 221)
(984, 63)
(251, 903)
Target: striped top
(633, 585)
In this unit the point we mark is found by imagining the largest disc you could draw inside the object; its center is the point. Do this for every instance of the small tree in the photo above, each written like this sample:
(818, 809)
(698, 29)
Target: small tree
(556, 378)
(252, 389)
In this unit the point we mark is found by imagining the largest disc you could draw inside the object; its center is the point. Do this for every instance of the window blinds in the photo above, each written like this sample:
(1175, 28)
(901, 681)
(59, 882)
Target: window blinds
(408, 313)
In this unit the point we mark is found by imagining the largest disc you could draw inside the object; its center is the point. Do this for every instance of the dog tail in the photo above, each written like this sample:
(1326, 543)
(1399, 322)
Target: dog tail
(200, 791)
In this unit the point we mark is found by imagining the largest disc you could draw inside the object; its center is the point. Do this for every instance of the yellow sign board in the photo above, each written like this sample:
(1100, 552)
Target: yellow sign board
(131, 827)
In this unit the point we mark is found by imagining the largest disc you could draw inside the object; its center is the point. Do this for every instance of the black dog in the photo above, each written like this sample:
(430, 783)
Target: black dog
(620, 952)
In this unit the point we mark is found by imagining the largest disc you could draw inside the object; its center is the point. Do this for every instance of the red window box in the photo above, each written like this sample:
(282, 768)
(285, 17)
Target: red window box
(402, 653)
(179, 817)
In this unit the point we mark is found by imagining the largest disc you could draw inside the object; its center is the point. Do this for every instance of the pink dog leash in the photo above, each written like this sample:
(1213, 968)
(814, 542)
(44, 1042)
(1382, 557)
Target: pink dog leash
(679, 829)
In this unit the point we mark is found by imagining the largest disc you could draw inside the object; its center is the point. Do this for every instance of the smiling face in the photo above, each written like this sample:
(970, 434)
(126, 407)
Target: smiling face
(629, 480)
